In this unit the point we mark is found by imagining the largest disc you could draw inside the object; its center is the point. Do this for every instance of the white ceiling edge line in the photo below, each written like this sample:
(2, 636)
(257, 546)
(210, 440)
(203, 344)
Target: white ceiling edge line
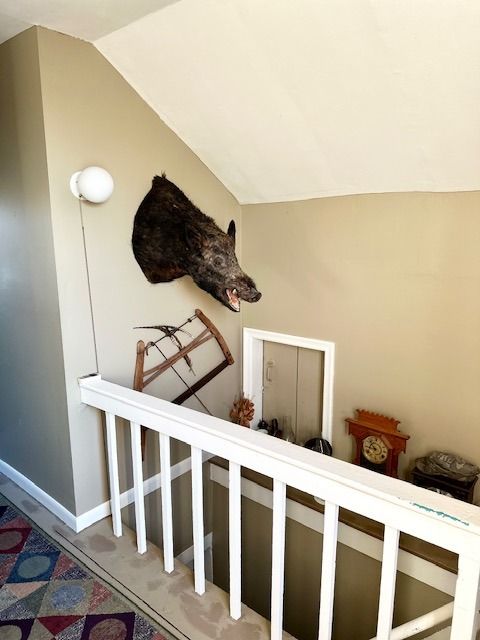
(89, 21)
(343, 193)
(129, 24)
(11, 27)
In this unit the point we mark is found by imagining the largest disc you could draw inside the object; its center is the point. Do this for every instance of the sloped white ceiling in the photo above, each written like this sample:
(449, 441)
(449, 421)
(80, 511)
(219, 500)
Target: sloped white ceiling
(294, 99)
(85, 19)
(9, 27)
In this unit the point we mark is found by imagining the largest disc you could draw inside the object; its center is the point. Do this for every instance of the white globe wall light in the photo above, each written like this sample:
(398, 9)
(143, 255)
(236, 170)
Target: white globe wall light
(93, 184)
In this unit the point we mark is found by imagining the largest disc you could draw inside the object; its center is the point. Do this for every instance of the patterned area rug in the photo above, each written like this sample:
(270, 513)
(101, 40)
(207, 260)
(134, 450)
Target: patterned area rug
(46, 595)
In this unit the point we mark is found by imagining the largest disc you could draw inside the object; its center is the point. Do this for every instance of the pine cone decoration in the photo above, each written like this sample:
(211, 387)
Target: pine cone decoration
(242, 411)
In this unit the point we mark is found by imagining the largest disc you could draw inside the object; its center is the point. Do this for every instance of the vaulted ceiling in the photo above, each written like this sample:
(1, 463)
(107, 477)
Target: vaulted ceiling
(294, 99)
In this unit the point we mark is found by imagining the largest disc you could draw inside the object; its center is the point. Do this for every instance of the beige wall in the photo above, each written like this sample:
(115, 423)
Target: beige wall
(92, 116)
(34, 437)
(393, 280)
(63, 108)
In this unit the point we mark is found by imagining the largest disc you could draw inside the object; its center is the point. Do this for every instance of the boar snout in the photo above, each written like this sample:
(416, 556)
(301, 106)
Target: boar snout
(245, 289)
(234, 295)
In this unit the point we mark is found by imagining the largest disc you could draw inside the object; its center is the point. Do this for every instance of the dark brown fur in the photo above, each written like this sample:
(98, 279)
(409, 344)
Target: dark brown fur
(172, 238)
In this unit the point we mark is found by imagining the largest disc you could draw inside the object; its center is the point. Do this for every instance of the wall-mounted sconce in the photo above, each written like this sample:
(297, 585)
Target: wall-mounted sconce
(93, 184)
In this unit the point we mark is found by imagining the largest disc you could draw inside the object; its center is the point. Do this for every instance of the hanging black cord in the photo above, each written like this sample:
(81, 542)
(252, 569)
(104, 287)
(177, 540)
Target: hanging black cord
(88, 284)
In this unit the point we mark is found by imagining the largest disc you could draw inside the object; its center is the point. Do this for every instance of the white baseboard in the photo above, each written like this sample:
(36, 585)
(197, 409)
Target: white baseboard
(127, 497)
(40, 495)
(186, 557)
(78, 523)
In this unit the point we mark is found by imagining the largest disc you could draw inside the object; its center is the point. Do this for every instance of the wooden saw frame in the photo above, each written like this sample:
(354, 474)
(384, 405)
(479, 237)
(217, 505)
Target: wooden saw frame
(144, 377)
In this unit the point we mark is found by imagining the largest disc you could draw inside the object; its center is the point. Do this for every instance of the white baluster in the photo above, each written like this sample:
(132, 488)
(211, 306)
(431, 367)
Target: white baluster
(235, 540)
(113, 474)
(388, 582)
(197, 513)
(138, 487)
(465, 607)
(278, 558)
(166, 491)
(329, 563)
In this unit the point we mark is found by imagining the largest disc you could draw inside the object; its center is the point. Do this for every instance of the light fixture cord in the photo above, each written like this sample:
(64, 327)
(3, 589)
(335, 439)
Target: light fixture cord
(89, 286)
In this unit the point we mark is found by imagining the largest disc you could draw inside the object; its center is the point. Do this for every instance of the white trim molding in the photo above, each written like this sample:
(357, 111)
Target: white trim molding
(81, 522)
(186, 556)
(40, 495)
(127, 497)
(253, 340)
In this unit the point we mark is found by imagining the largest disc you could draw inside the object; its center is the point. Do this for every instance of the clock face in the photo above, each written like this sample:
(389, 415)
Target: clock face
(374, 449)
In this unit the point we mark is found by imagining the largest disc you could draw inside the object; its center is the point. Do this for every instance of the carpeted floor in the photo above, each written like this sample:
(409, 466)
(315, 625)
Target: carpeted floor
(45, 594)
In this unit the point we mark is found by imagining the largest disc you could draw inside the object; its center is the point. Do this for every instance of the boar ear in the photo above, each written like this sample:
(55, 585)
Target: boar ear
(193, 237)
(232, 230)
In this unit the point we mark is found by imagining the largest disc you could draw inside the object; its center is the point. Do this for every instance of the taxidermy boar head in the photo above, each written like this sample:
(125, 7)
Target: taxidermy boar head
(172, 238)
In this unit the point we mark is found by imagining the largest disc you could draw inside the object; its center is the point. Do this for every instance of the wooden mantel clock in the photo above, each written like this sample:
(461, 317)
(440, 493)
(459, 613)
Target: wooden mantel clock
(378, 441)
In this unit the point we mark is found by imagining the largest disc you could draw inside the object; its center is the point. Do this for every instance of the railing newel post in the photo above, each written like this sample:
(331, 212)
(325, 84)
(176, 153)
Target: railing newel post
(329, 563)
(138, 487)
(387, 583)
(114, 482)
(278, 557)
(166, 497)
(235, 539)
(198, 525)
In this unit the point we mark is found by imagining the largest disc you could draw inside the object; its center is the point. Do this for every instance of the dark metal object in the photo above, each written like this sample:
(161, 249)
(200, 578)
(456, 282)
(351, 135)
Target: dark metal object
(320, 445)
(170, 331)
(456, 488)
(273, 427)
(191, 390)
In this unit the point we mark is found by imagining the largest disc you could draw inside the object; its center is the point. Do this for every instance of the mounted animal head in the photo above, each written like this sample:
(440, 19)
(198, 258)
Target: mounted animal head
(172, 238)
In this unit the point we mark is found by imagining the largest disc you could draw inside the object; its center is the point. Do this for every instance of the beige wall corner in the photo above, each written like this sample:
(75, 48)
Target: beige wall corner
(34, 435)
(393, 280)
(92, 116)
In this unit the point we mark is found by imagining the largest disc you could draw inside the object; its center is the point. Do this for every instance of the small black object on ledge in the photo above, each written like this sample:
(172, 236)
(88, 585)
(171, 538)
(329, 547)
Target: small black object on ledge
(320, 445)
(447, 486)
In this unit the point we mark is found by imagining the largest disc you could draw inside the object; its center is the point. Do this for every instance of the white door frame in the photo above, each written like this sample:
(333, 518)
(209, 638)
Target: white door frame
(253, 340)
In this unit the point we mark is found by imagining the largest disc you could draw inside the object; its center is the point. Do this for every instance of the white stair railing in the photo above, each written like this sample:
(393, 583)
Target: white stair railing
(235, 541)
(422, 623)
(166, 484)
(400, 506)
